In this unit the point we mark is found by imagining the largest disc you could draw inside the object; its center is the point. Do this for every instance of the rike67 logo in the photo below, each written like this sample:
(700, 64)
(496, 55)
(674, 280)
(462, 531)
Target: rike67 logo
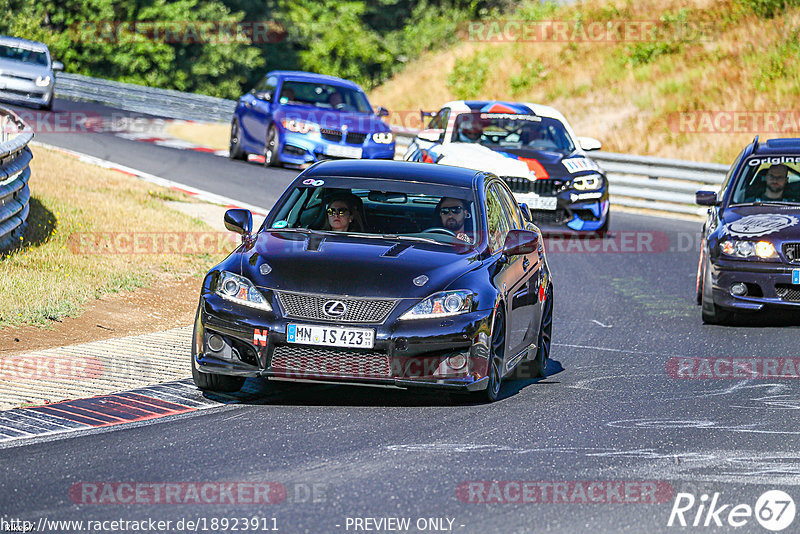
(774, 510)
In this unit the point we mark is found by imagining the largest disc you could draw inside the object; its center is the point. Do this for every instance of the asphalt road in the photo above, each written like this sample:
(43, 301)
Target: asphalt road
(608, 411)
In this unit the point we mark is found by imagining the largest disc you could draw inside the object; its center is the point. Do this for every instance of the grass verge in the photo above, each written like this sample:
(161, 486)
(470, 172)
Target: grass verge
(47, 278)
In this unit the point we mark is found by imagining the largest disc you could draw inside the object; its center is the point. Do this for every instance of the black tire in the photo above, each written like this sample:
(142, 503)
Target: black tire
(539, 366)
(603, 230)
(271, 148)
(700, 276)
(495, 371)
(712, 314)
(235, 147)
(213, 382)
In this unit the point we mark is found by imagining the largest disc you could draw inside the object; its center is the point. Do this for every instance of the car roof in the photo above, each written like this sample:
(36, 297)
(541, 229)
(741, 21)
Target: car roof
(778, 146)
(23, 43)
(300, 75)
(397, 170)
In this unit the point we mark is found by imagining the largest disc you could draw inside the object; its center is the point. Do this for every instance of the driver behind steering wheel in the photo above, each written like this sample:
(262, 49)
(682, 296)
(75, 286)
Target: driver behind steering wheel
(453, 213)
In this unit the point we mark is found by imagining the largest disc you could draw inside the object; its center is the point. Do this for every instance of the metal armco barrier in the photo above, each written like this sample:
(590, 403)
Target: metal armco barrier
(14, 175)
(143, 99)
(644, 182)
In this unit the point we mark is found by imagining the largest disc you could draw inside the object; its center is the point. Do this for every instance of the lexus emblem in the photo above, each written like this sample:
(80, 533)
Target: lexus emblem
(334, 308)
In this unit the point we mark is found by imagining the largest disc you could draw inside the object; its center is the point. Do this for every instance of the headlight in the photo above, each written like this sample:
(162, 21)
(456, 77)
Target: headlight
(441, 304)
(43, 81)
(746, 249)
(588, 182)
(240, 290)
(383, 138)
(302, 127)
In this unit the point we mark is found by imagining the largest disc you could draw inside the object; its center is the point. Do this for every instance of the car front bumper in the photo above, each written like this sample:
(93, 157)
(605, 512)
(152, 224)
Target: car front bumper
(769, 285)
(406, 354)
(299, 149)
(25, 91)
(579, 216)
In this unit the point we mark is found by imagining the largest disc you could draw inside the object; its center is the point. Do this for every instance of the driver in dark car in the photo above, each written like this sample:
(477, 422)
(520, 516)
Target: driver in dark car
(453, 214)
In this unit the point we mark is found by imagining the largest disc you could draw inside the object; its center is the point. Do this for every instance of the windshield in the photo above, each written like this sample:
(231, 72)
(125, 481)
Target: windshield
(324, 96)
(509, 130)
(380, 208)
(23, 54)
(769, 179)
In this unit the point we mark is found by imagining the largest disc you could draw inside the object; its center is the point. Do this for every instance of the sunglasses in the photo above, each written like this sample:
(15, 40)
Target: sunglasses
(455, 210)
(337, 211)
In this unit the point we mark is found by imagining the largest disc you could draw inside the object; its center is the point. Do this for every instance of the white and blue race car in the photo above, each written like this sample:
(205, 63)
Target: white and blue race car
(533, 149)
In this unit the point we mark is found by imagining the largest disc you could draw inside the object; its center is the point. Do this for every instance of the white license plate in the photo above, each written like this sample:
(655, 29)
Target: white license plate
(330, 336)
(543, 203)
(340, 151)
(796, 276)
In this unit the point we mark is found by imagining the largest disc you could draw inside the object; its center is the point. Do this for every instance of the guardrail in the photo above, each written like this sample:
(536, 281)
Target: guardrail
(642, 181)
(14, 175)
(142, 99)
(634, 181)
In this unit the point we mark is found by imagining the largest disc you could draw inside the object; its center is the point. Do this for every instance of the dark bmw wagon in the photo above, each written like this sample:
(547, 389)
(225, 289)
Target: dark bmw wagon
(384, 273)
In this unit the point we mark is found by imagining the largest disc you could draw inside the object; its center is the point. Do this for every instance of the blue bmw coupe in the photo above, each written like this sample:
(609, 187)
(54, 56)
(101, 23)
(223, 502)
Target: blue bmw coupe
(294, 117)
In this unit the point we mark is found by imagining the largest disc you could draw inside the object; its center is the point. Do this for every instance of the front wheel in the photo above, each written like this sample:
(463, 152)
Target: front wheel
(235, 147)
(712, 314)
(271, 148)
(495, 370)
(539, 367)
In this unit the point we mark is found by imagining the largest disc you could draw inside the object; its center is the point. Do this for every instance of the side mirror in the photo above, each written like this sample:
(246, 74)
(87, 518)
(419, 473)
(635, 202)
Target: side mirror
(57, 65)
(521, 242)
(434, 135)
(382, 112)
(706, 198)
(239, 221)
(589, 143)
(263, 95)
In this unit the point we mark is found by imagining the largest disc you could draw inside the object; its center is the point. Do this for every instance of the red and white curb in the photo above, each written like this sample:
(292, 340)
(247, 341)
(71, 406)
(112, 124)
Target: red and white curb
(199, 194)
(170, 142)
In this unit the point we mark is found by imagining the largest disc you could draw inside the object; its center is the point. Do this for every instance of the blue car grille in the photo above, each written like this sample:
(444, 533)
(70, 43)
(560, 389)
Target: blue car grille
(355, 138)
(331, 135)
(790, 292)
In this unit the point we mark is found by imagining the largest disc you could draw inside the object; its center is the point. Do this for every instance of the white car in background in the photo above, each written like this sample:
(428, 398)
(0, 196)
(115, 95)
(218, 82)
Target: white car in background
(27, 72)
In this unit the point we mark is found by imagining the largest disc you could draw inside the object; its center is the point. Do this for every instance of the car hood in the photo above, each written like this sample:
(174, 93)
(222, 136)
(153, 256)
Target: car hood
(347, 265)
(334, 119)
(24, 69)
(514, 162)
(772, 222)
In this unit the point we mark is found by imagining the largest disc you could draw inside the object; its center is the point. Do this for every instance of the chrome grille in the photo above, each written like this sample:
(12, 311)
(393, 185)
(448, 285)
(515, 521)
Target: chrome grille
(790, 292)
(331, 135)
(299, 361)
(792, 252)
(359, 310)
(355, 138)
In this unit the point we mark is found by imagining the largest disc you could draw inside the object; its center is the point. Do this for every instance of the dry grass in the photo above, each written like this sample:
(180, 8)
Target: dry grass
(616, 91)
(208, 134)
(46, 279)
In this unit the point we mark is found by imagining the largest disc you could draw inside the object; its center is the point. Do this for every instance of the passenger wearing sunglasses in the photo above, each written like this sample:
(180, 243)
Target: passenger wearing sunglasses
(453, 214)
(343, 214)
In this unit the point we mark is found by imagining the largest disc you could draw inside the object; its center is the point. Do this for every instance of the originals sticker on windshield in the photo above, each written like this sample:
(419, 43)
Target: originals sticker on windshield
(574, 165)
(758, 225)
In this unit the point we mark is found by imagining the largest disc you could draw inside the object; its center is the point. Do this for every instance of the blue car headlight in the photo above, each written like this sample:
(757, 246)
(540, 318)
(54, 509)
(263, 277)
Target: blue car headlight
(239, 289)
(442, 304)
(746, 249)
(383, 138)
(590, 182)
(298, 126)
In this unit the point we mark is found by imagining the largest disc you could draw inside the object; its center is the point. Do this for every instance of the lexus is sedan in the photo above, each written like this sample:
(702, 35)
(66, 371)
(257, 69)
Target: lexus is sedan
(381, 273)
(750, 254)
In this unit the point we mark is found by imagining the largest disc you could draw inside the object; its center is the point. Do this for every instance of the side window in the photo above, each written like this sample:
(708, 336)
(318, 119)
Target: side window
(496, 216)
(511, 208)
(439, 122)
(726, 182)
